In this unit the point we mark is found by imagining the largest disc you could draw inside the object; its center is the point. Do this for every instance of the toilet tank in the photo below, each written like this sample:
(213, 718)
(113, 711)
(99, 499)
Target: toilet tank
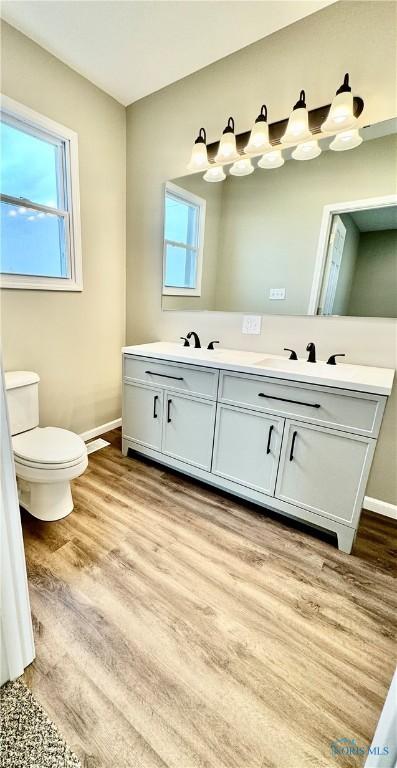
(22, 388)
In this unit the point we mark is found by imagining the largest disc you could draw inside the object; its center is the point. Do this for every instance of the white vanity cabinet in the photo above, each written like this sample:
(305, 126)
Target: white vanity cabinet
(324, 470)
(176, 416)
(188, 429)
(143, 415)
(302, 449)
(247, 447)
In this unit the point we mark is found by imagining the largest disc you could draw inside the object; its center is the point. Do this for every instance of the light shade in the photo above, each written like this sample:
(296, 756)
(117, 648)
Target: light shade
(259, 138)
(227, 145)
(242, 167)
(215, 174)
(199, 158)
(307, 151)
(272, 159)
(298, 123)
(346, 140)
(340, 116)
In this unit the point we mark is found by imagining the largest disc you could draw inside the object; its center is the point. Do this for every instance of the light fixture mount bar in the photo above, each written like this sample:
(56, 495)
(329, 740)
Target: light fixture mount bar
(276, 130)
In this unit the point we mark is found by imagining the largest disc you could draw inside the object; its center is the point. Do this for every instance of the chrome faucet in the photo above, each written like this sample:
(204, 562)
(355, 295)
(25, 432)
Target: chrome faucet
(311, 349)
(197, 344)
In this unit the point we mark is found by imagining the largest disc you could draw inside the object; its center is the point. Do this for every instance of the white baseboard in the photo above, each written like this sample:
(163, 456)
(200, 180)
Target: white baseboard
(380, 507)
(100, 430)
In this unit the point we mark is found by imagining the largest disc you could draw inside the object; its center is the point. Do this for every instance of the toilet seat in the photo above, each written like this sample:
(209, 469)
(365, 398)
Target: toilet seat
(48, 448)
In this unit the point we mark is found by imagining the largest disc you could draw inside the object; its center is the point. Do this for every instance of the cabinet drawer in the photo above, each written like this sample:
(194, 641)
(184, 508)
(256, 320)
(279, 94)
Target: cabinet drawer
(339, 409)
(194, 380)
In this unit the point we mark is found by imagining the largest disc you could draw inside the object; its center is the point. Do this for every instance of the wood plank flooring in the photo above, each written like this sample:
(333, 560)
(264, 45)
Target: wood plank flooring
(177, 627)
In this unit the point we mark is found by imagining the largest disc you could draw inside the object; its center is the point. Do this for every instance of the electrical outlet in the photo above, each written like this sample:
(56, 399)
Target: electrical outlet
(277, 294)
(252, 324)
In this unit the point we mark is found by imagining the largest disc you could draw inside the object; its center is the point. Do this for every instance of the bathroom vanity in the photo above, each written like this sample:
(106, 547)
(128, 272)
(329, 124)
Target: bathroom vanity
(294, 437)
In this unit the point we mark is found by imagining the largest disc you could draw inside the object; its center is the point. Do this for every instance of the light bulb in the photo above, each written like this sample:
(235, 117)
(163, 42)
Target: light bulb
(340, 116)
(307, 151)
(259, 137)
(272, 159)
(199, 158)
(242, 167)
(227, 145)
(346, 140)
(215, 174)
(298, 123)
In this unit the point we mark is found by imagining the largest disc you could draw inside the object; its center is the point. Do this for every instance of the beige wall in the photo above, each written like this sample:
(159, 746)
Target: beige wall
(314, 53)
(73, 340)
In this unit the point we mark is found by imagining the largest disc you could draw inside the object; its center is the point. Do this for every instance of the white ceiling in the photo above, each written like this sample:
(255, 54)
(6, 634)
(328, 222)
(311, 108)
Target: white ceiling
(131, 48)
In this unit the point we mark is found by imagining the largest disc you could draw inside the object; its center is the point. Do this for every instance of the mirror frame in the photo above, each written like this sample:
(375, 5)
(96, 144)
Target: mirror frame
(329, 211)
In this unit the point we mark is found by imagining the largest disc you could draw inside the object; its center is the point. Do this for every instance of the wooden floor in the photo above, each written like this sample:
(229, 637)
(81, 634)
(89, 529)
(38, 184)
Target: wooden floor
(176, 627)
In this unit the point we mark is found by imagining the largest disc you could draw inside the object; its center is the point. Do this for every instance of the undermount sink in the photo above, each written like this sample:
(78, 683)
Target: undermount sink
(284, 364)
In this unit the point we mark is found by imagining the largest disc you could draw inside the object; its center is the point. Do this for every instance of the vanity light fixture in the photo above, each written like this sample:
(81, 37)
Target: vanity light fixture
(298, 123)
(346, 140)
(227, 146)
(340, 116)
(308, 150)
(259, 137)
(242, 167)
(271, 160)
(215, 174)
(199, 158)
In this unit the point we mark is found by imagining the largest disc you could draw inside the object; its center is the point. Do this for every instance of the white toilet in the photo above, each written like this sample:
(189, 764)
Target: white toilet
(46, 459)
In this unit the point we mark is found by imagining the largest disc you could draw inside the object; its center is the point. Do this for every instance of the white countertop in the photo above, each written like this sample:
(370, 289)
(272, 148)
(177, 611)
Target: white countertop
(360, 378)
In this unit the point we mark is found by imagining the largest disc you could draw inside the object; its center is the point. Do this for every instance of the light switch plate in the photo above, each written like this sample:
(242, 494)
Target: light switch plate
(252, 324)
(277, 294)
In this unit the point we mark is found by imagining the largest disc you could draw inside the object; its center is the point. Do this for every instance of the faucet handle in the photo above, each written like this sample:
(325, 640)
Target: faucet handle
(185, 341)
(211, 344)
(332, 360)
(293, 355)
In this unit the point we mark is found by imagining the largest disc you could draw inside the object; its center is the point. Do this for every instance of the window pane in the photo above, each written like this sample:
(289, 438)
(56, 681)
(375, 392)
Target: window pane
(32, 242)
(180, 267)
(29, 167)
(181, 221)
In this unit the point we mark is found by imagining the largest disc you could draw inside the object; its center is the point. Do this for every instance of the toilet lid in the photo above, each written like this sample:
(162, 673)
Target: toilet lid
(48, 445)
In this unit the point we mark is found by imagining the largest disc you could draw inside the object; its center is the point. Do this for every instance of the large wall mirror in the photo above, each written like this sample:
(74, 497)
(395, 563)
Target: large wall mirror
(314, 237)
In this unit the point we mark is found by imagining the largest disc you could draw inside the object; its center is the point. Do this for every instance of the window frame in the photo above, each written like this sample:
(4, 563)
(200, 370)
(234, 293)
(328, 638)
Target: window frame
(200, 202)
(43, 127)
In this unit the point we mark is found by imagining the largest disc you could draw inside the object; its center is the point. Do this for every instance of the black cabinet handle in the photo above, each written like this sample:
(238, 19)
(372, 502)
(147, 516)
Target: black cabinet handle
(164, 375)
(291, 453)
(285, 400)
(168, 411)
(269, 438)
(155, 399)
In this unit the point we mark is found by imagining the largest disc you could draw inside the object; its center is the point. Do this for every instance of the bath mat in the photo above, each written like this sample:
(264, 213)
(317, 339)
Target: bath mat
(28, 737)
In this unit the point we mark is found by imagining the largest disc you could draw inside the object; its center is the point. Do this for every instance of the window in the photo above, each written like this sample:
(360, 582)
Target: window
(184, 219)
(40, 207)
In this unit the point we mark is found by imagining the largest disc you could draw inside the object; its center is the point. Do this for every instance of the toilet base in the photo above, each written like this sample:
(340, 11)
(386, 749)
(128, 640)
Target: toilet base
(45, 501)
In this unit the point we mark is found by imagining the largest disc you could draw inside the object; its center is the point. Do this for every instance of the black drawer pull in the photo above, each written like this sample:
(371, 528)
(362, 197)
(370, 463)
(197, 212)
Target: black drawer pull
(285, 400)
(164, 375)
(291, 453)
(155, 399)
(269, 438)
(168, 411)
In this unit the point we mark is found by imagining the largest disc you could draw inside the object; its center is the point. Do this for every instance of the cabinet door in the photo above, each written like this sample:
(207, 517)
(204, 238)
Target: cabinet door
(188, 429)
(247, 447)
(142, 415)
(324, 470)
